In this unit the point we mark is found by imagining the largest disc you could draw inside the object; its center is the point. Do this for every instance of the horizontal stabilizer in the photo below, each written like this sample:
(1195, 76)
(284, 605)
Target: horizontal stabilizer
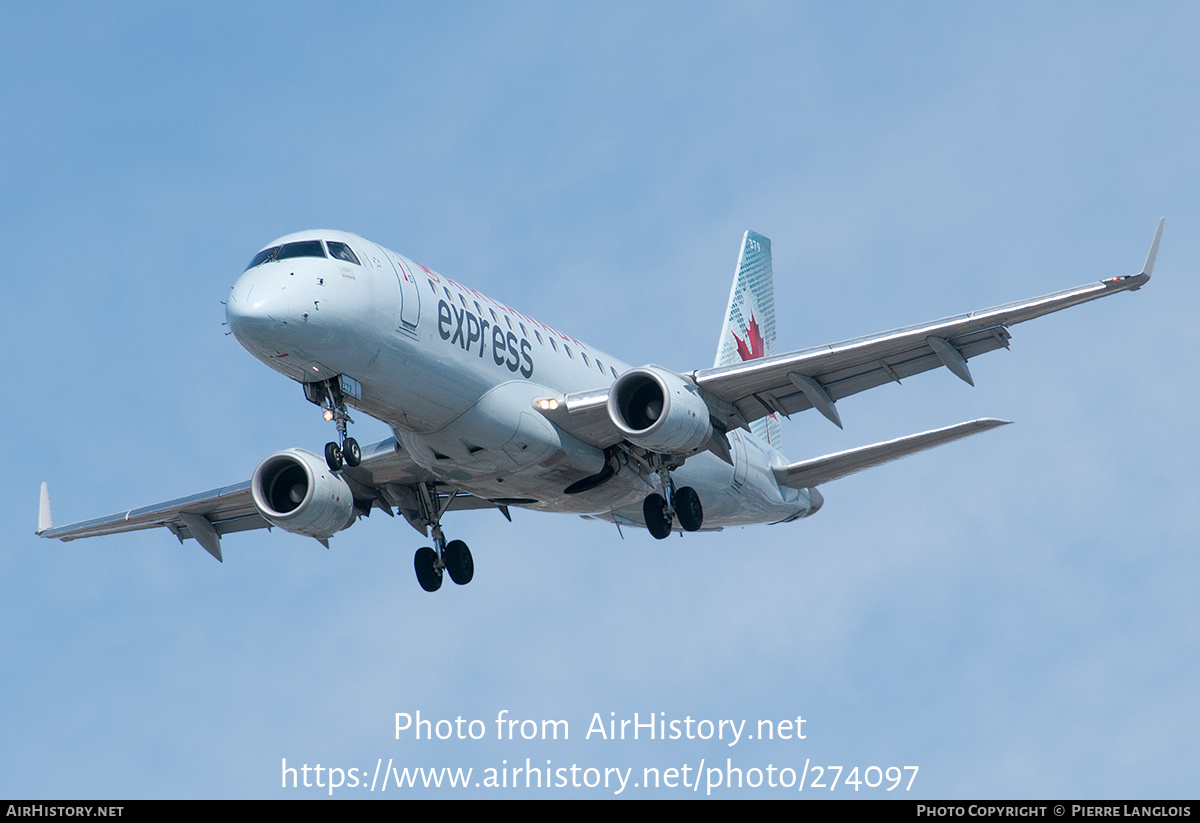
(809, 473)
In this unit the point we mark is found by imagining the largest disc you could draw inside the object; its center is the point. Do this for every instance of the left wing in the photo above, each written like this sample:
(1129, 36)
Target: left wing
(385, 478)
(741, 393)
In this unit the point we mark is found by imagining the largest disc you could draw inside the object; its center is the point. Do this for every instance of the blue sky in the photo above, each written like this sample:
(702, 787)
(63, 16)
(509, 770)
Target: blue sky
(1014, 614)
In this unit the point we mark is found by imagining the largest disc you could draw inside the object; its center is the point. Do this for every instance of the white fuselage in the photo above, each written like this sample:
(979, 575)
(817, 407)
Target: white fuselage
(455, 374)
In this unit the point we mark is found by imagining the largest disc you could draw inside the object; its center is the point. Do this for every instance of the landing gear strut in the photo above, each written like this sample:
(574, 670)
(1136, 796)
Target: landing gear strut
(453, 558)
(659, 512)
(346, 450)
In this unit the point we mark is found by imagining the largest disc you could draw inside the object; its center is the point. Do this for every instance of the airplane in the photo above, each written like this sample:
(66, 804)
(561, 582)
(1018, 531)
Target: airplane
(490, 408)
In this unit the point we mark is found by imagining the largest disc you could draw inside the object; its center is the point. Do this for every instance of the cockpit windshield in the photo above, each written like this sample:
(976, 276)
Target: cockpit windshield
(263, 256)
(340, 251)
(304, 248)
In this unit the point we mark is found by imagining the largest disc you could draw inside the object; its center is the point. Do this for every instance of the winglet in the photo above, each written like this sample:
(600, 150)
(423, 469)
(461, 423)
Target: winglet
(1133, 282)
(1148, 269)
(44, 523)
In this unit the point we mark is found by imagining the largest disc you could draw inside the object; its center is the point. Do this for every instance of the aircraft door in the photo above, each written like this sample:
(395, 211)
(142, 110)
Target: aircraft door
(410, 294)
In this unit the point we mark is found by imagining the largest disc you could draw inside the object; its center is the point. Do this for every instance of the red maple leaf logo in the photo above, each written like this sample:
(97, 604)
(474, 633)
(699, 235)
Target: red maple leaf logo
(752, 348)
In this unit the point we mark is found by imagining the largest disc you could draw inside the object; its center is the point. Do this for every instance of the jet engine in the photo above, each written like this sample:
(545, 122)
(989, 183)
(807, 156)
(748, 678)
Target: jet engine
(659, 410)
(295, 490)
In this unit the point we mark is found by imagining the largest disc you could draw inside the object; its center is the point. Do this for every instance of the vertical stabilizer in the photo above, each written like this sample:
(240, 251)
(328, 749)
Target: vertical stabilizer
(749, 330)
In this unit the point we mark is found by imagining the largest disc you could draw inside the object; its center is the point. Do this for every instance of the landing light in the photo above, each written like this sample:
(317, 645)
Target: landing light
(328, 414)
(546, 403)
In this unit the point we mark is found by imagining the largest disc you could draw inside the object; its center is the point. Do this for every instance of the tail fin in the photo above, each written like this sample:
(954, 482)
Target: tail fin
(749, 330)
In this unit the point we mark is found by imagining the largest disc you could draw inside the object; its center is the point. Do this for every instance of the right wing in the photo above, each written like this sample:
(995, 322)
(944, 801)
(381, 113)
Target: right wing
(227, 509)
(739, 394)
(386, 477)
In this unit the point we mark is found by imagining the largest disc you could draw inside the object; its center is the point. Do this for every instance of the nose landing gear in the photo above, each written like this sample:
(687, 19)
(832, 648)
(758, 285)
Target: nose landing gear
(348, 453)
(346, 450)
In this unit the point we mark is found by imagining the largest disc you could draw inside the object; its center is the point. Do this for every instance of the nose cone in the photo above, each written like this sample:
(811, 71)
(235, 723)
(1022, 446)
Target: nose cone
(257, 309)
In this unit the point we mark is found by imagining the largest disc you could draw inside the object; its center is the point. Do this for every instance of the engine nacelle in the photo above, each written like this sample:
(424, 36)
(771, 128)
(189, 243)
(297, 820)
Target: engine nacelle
(659, 410)
(295, 490)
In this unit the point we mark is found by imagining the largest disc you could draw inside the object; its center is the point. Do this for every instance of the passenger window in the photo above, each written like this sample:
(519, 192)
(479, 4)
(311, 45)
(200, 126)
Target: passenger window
(340, 251)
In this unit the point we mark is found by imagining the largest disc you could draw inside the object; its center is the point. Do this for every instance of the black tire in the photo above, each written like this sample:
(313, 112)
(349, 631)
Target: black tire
(333, 457)
(688, 509)
(351, 452)
(428, 574)
(654, 512)
(459, 563)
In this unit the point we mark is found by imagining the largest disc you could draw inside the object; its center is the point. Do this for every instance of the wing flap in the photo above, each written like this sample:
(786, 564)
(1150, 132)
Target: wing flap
(790, 398)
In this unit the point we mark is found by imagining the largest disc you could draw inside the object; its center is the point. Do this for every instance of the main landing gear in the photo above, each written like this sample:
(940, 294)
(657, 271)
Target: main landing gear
(453, 558)
(659, 512)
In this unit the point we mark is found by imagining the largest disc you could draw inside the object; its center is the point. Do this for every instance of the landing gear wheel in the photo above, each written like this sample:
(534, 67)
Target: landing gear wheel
(688, 509)
(654, 512)
(333, 457)
(428, 574)
(351, 452)
(459, 562)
